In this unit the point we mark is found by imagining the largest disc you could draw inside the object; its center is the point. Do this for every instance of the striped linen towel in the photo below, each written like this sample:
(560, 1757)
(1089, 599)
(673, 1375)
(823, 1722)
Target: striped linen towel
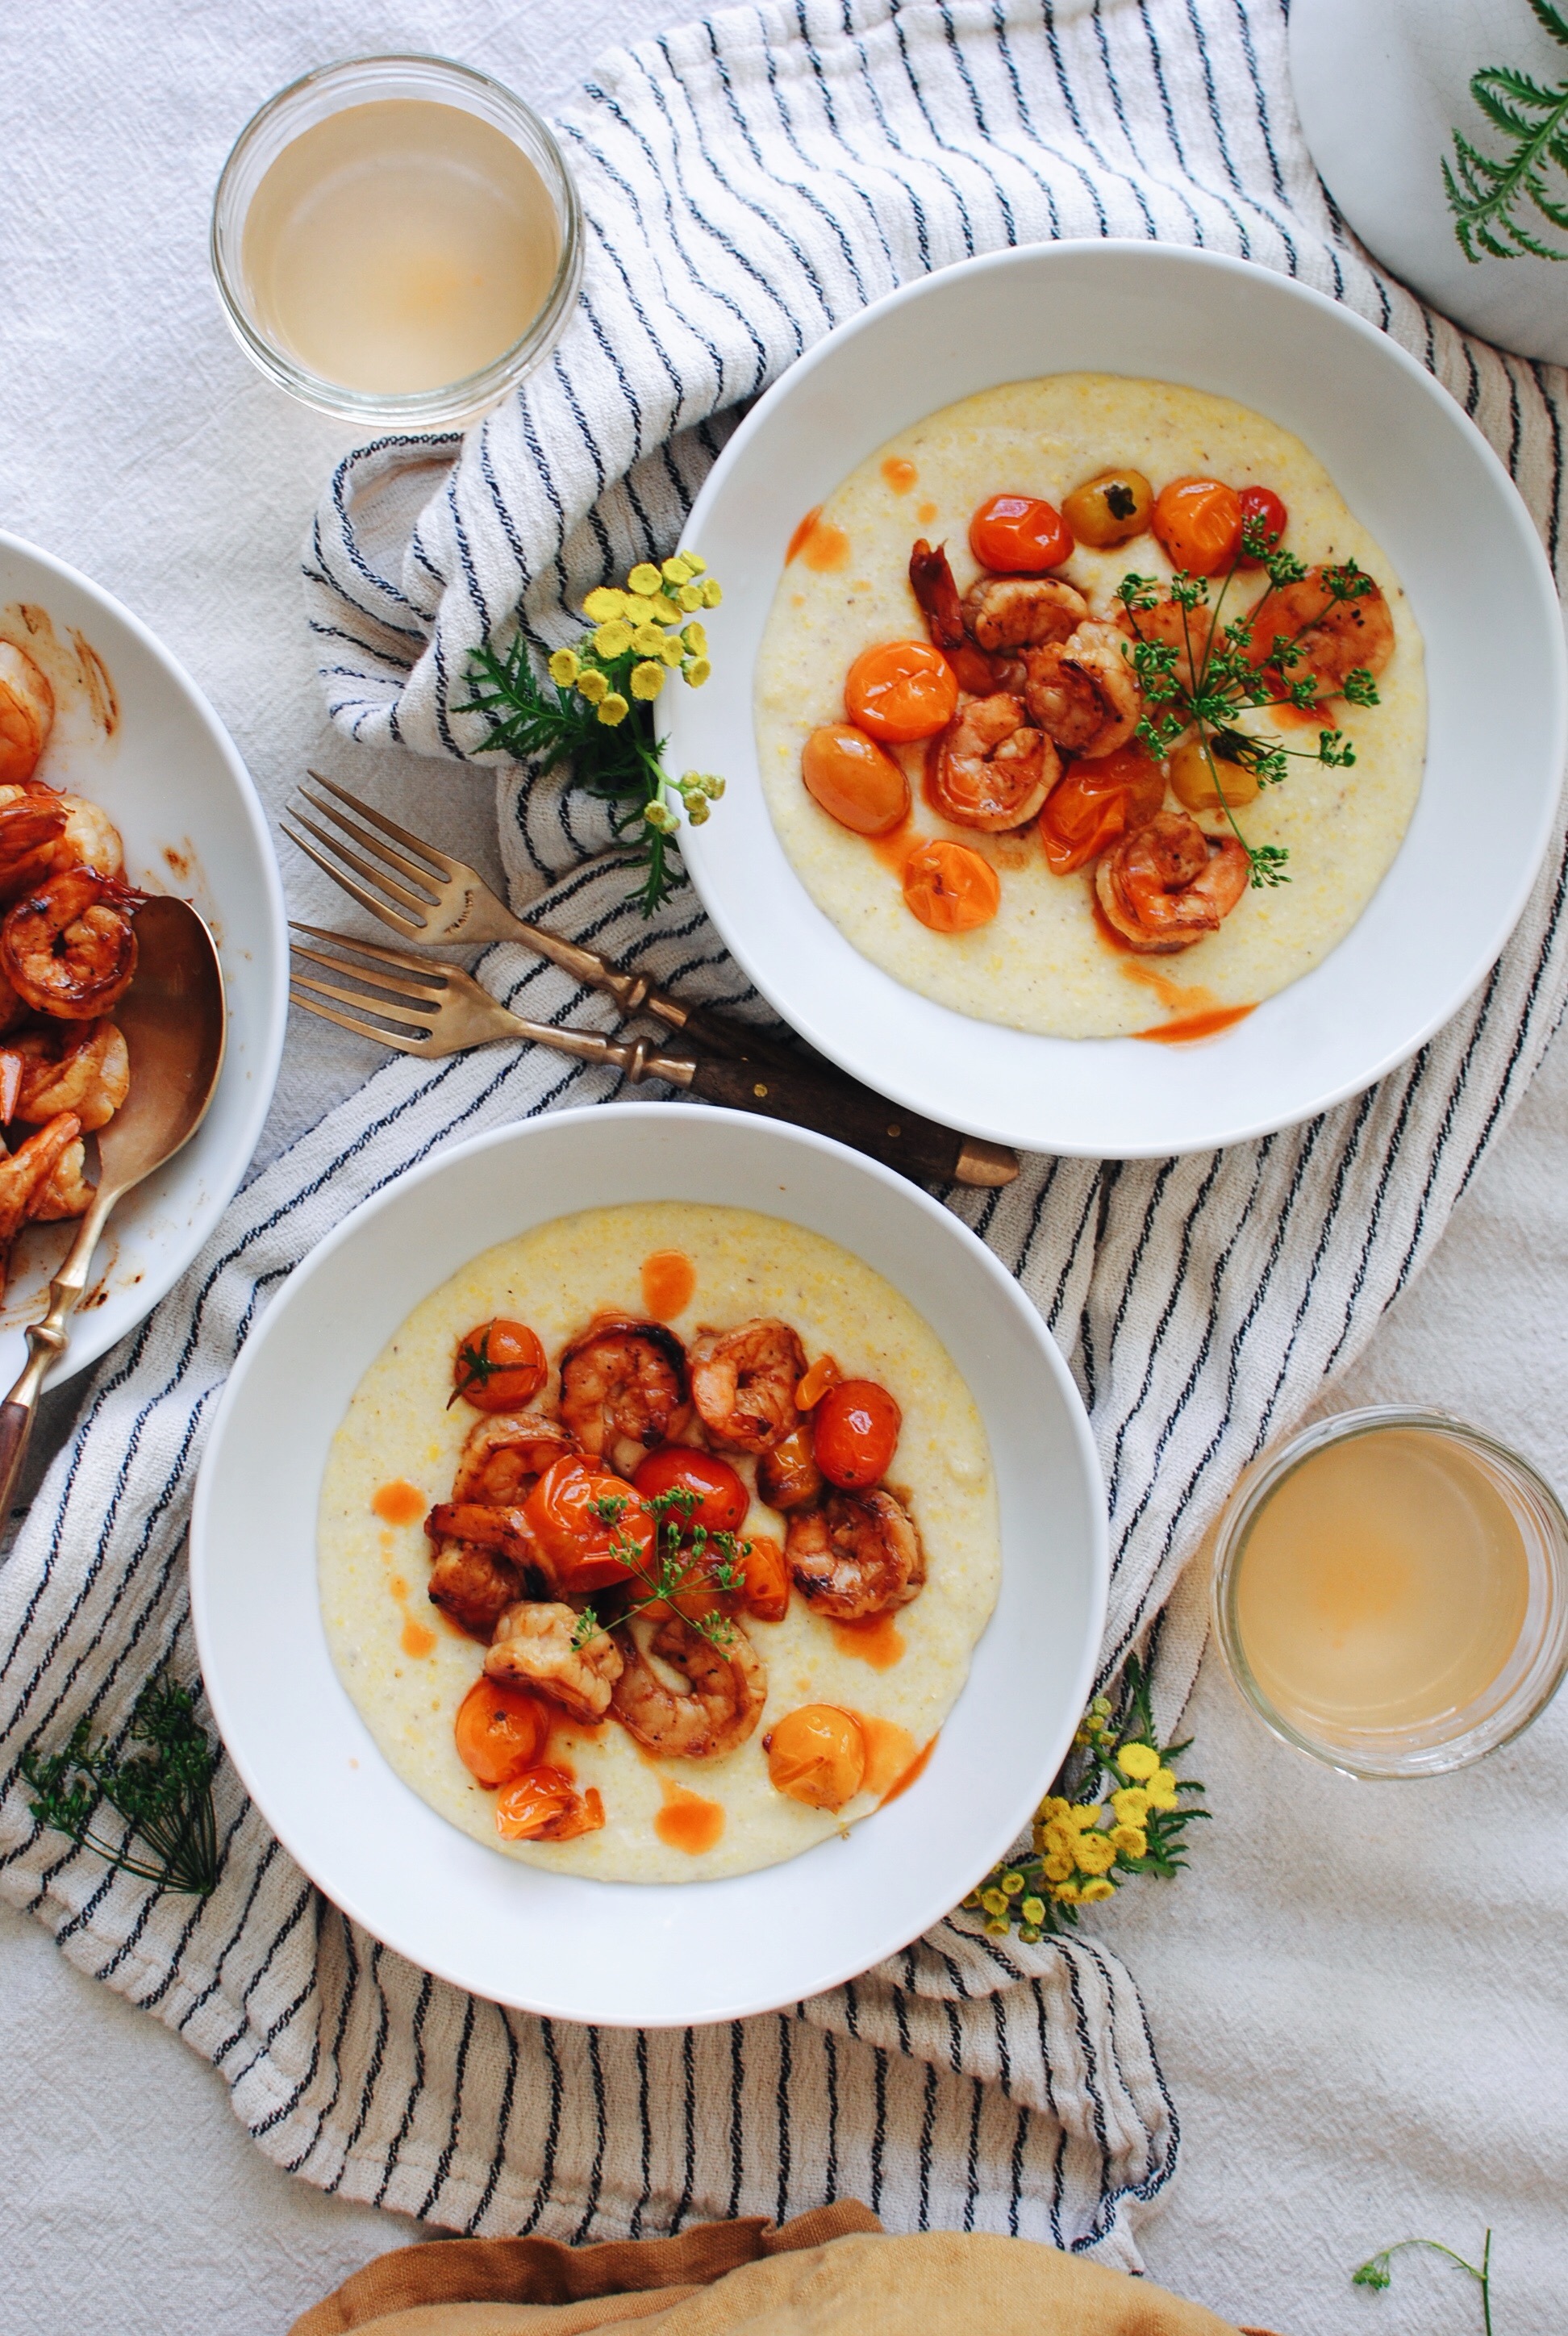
(746, 182)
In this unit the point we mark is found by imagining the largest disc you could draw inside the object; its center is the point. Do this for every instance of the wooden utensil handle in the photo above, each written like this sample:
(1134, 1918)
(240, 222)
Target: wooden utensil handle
(16, 1433)
(855, 1114)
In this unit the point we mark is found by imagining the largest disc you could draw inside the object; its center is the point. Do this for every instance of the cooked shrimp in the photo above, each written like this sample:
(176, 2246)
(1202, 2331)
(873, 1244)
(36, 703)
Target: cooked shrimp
(506, 1453)
(744, 1381)
(931, 583)
(66, 1191)
(31, 828)
(991, 770)
(1331, 636)
(23, 1176)
(484, 1526)
(1022, 612)
(12, 1009)
(72, 1067)
(68, 948)
(1084, 693)
(475, 1586)
(624, 1388)
(859, 1554)
(88, 839)
(1186, 630)
(26, 713)
(715, 1708)
(533, 1648)
(787, 1476)
(1167, 884)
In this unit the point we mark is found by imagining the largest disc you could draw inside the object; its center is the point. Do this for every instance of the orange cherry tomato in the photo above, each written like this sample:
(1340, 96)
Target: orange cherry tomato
(950, 888)
(1199, 522)
(817, 1755)
(544, 1805)
(499, 1366)
(1094, 805)
(499, 1731)
(722, 1499)
(573, 1538)
(1017, 535)
(902, 690)
(1262, 505)
(765, 1579)
(854, 779)
(855, 1431)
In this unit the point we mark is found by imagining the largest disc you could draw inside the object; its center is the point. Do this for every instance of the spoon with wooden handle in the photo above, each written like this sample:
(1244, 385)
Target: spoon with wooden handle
(174, 1022)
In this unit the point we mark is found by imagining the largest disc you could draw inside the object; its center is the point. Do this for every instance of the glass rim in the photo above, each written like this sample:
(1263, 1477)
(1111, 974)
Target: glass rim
(450, 404)
(1523, 1704)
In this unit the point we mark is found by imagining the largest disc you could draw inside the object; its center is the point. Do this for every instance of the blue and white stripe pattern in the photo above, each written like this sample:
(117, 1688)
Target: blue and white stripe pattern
(748, 183)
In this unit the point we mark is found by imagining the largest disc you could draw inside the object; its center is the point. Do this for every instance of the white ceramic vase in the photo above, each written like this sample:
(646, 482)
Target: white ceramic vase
(1381, 86)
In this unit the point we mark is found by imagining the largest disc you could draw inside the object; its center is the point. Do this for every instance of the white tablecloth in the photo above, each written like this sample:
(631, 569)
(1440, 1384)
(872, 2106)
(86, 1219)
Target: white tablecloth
(1357, 1993)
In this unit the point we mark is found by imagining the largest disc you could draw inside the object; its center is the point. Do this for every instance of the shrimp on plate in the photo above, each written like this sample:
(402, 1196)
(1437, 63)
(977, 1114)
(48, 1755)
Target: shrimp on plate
(624, 1388)
(532, 1648)
(31, 824)
(857, 1555)
(26, 714)
(506, 1453)
(1329, 632)
(68, 949)
(991, 770)
(24, 1176)
(1003, 613)
(74, 1066)
(681, 1695)
(1167, 884)
(1174, 625)
(744, 1381)
(65, 1192)
(475, 1585)
(1082, 692)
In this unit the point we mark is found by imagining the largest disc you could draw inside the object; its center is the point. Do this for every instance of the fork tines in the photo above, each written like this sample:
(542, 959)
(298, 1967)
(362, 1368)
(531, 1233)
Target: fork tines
(413, 1016)
(406, 910)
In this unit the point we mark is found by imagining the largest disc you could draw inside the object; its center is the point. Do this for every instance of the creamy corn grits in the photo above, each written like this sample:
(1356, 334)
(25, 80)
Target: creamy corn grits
(397, 1426)
(1042, 964)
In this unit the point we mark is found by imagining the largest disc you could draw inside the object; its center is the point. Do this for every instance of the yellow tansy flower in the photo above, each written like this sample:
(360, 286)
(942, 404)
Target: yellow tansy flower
(1033, 1910)
(1061, 1836)
(1057, 1866)
(648, 640)
(593, 685)
(1012, 1883)
(669, 648)
(1093, 1892)
(646, 679)
(1138, 1761)
(612, 640)
(676, 569)
(1132, 1841)
(613, 709)
(1065, 1894)
(1130, 1804)
(1095, 1853)
(600, 605)
(711, 595)
(993, 1902)
(564, 668)
(692, 595)
(698, 671)
(695, 636)
(1053, 1806)
(1084, 1815)
(645, 579)
(1161, 1789)
(694, 562)
(640, 610)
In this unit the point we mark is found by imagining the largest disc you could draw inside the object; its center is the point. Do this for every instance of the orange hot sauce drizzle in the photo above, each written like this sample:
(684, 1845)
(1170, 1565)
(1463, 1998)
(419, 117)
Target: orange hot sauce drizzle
(893, 849)
(669, 1280)
(1197, 1012)
(399, 1503)
(925, 513)
(687, 1821)
(876, 1642)
(820, 544)
(416, 1639)
(900, 475)
(889, 1750)
(916, 1769)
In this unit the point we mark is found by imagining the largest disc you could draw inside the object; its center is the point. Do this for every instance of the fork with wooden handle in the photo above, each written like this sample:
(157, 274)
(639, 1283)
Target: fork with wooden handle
(425, 1006)
(424, 895)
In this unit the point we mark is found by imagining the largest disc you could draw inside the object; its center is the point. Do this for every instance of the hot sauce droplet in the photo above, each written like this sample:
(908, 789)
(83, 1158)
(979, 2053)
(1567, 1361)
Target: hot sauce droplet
(1182, 1033)
(797, 540)
(669, 1280)
(900, 475)
(925, 513)
(877, 1642)
(823, 546)
(399, 1503)
(416, 1639)
(687, 1821)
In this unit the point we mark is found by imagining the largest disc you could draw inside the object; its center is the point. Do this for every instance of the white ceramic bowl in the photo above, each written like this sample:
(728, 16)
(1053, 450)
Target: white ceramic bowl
(624, 1953)
(170, 778)
(1411, 467)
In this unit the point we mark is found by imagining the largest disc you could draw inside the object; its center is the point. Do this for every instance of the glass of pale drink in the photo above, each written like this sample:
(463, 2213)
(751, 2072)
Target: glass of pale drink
(396, 241)
(1390, 1593)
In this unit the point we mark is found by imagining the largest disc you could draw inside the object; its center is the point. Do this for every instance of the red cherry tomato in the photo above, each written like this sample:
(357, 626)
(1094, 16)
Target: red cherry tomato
(854, 1430)
(574, 1538)
(1199, 522)
(499, 1366)
(902, 690)
(722, 1499)
(1016, 535)
(1262, 504)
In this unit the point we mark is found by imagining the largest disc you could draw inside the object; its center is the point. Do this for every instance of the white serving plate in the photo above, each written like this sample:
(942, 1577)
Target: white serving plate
(1411, 467)
(170, 778)
(624, 1953)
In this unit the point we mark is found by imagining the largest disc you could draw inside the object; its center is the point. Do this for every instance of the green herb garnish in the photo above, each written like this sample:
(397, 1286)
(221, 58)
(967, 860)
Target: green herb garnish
(687, 1559)
(1377, 2272)
(163, 1793)
(1484, 196)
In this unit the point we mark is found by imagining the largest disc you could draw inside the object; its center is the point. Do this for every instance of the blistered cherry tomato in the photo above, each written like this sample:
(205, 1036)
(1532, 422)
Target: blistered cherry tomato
(902, 690)
(544, 1805)
(817, 1755)
(574, 1537)
(1094, 805)
(1263, 505)
(1110, 507)
(950, 888)
(855, 781)
(499, 1366)
(1199, 522)
(763, 1579)
(722, 1499)
(855, 1431)
(499, 1731)
(1018, 535)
